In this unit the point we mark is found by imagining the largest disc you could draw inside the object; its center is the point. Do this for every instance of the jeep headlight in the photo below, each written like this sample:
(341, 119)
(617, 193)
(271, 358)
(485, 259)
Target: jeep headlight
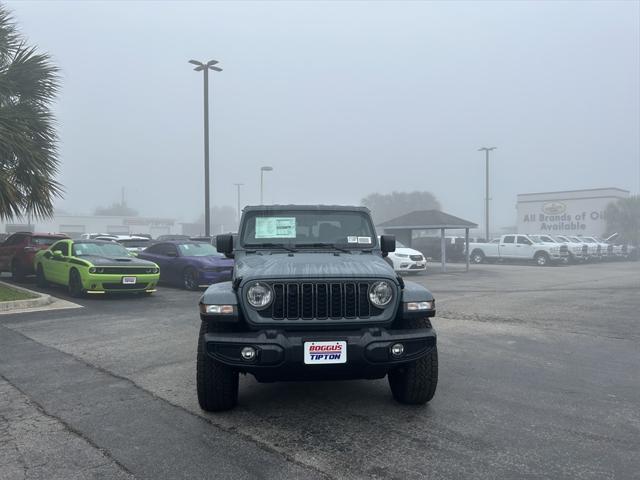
(93, 270)
(259, 295)
(380, 293)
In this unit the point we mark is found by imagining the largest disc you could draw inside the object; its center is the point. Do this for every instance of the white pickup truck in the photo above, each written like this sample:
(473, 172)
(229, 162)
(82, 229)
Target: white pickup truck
(518, 248)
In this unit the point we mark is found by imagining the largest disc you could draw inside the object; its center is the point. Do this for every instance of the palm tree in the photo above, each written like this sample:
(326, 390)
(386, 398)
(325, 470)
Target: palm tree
(623, 217)
(28, 160)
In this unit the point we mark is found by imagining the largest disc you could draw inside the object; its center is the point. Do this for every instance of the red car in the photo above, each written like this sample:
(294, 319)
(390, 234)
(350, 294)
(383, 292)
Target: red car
(17, 251)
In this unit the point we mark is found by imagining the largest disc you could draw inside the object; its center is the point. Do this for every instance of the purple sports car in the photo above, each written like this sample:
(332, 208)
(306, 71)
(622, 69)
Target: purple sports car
(191, 265)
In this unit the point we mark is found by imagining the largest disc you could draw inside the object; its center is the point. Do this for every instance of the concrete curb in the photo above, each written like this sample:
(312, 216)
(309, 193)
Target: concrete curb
(41, 300)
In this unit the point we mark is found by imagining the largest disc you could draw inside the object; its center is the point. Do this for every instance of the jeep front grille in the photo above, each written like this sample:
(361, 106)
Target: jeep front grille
(320, 300)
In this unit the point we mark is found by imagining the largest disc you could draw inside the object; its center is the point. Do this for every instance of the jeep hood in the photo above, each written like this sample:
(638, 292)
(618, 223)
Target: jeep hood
(312, 265)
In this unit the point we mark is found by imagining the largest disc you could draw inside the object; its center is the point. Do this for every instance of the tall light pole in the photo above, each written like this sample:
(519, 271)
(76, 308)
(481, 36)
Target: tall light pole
(238, 185)
(486, 151)
(205, 67)
(262, 170)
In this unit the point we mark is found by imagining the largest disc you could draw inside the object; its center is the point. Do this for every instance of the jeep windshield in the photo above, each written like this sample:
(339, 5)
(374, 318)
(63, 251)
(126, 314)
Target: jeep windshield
(302, 229)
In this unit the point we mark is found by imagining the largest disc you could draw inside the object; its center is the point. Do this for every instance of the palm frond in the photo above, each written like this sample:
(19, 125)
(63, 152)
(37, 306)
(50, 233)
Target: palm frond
(28, 157)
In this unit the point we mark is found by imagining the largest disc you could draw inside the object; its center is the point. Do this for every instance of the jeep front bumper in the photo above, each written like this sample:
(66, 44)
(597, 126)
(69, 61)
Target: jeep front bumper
(280, 353)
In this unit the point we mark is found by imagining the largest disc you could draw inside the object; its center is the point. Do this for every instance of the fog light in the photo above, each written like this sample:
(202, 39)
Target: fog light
(397, 349)
(248, 353)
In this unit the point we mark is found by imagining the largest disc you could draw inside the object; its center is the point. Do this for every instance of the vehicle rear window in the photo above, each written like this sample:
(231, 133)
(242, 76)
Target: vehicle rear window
(44, 240)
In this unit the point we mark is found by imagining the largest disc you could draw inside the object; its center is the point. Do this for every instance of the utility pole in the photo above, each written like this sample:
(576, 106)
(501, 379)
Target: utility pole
(486, 151)
(238, 185)
(205, 67)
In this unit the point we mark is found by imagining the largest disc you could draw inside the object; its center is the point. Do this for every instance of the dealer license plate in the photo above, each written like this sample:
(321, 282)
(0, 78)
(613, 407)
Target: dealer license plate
(129, 280)
(321, 353)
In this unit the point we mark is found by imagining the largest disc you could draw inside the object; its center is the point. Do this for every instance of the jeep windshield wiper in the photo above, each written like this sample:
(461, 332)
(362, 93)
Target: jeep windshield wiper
(270, 245)
(316, 245)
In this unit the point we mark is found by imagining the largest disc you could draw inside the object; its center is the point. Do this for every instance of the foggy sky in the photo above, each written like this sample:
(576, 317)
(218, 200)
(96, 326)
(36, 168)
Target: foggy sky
(342, 99)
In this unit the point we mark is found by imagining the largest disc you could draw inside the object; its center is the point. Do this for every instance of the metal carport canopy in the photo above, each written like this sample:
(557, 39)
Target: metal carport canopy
(429, 220)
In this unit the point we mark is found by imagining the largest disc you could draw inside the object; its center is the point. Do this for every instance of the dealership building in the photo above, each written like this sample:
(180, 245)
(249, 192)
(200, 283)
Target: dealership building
(573, 212)
(75, 225)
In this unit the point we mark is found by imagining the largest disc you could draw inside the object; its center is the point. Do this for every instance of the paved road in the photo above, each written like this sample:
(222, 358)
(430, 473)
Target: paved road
(538, 379)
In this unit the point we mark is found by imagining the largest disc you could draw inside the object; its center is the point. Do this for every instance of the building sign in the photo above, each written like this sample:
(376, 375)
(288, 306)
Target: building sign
(577, 212)
(562, 222)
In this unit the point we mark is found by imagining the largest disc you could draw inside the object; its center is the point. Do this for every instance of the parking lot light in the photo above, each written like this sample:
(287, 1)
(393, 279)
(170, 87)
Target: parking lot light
(486, 150)
(262, 170)
(205, 67)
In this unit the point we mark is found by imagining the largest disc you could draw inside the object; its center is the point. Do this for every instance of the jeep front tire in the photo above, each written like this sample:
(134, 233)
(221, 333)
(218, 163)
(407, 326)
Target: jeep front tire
(415, 383)
(217, 384)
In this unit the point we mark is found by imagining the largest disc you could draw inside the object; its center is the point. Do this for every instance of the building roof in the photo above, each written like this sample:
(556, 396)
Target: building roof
(578, 194)
(425, 219)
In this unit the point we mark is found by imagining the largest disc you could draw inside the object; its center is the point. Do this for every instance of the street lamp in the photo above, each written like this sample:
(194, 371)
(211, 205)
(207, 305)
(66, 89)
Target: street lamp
(205, 67)
(486, 150)
(238, 185)
(262, 170)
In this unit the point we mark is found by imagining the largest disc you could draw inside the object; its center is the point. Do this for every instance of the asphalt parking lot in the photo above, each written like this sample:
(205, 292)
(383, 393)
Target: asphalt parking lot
(539, 378)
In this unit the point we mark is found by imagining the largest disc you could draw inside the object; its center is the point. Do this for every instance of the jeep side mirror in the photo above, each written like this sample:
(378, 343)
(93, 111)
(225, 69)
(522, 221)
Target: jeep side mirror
(224, 244)
(387, 244)
(57, 254)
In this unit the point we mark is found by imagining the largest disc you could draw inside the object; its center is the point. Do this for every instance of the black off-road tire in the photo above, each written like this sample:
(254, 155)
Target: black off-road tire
(217, 384)
(415, 383)
(17, 272)
(41, 281)
(75, 284)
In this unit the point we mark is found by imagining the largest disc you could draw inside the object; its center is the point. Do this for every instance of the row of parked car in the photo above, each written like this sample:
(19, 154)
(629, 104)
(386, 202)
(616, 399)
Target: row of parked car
(98, 264)
(547, 249)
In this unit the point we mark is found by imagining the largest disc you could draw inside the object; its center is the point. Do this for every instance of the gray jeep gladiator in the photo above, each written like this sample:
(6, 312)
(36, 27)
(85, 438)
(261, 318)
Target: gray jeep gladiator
(312, 298)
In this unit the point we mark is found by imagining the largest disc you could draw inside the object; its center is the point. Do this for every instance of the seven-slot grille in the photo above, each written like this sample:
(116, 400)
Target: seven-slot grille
(564, 250)
(320, 300)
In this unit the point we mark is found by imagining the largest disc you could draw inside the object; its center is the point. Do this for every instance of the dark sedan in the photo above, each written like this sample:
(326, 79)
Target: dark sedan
(191, 265)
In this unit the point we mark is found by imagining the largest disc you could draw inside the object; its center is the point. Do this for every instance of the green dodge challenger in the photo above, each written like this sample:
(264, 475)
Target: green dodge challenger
(95, 267)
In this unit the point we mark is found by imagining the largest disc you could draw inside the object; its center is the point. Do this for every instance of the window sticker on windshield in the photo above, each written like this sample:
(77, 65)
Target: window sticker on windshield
(351, 239)
(365, 240)
(275, 227)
